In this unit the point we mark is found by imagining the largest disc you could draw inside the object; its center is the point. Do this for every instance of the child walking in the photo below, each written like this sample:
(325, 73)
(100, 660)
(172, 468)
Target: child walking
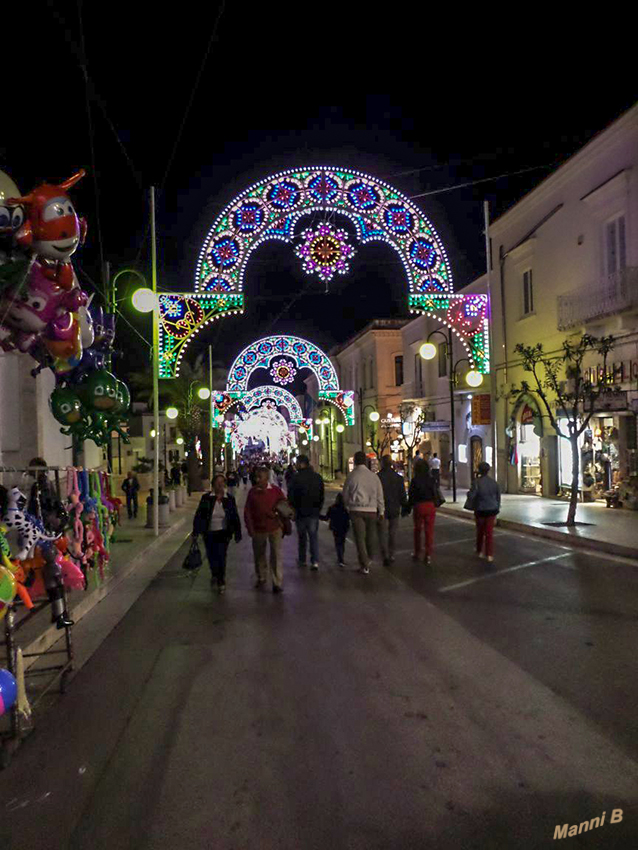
(339, 523)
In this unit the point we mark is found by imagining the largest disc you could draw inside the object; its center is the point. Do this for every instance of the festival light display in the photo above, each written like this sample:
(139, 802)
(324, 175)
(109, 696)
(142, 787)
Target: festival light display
(325, 251)
(283, 372)
(304, 354)
(271, 210)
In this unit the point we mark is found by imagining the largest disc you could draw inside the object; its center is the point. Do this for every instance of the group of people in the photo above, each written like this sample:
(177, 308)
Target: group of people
(370, 503)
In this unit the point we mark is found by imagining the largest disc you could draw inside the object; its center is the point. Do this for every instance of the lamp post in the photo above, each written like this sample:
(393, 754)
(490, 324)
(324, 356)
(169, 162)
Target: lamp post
(428, 352)
(145, 300)
(374, 416)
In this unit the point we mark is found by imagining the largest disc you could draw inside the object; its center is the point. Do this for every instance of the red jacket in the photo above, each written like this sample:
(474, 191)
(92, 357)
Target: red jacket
(259, 511)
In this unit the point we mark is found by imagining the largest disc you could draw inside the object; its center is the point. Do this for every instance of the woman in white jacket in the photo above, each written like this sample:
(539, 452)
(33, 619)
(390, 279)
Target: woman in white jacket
(363, 498)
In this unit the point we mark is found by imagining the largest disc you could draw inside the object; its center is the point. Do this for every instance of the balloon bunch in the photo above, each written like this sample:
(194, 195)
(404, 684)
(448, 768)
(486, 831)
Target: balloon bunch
(93, 408)
(45, 313)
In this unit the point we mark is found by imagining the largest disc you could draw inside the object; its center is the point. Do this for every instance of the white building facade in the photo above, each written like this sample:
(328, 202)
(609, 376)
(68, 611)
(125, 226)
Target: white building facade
(565, 262)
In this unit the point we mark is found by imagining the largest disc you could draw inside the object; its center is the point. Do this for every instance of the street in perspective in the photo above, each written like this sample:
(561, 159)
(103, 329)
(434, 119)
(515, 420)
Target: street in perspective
(318, 468)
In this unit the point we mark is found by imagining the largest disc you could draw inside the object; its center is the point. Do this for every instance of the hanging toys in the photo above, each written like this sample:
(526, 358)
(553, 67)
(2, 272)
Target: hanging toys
(8, 691)
(46, 314)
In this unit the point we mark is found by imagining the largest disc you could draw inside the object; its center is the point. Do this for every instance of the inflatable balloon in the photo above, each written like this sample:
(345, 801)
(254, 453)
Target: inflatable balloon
(8, 691)
(8, 590)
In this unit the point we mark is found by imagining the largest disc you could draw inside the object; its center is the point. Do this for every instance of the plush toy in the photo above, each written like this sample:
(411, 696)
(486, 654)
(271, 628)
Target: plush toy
(30, 530)
(75, 509)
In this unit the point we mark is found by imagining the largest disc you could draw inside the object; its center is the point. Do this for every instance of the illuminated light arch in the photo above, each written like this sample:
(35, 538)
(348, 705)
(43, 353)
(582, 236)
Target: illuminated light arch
(266, 424)
(258, 396)
(270, 210)
(304, 354)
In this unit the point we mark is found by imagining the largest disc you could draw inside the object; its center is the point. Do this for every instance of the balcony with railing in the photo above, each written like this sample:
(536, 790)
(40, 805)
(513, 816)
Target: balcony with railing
(610, 295)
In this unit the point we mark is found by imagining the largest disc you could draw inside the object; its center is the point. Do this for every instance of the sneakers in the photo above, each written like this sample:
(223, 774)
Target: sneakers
(365, 571)
(481, 555)
(314, 566)
(342, 565)
(427, 561)
(221, 589)
(490, 559)
(277, 588)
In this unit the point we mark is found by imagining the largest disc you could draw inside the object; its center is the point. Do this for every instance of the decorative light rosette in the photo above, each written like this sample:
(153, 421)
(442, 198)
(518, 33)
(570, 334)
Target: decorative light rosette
(283, 372)
(325, 251)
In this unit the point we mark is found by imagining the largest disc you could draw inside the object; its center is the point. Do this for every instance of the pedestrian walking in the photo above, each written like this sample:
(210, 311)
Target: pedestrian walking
(339, 523)
(435, 468)
(289, 475)
(395, 499)
(176, 475)
(217, 520)
(306, 495)
(232, 480)
(363, 498)
(265, 528)
(484, 498)
(131, 487)
(422, 497)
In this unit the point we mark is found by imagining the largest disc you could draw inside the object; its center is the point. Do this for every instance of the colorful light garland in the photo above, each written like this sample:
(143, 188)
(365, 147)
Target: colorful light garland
(271, 208)
(283, 372)
(325, 251)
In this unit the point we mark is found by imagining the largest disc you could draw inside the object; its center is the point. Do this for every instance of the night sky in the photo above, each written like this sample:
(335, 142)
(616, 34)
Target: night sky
(267, 101)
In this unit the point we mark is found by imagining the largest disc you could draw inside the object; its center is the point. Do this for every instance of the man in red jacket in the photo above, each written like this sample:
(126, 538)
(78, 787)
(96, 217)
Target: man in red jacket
(264, 526)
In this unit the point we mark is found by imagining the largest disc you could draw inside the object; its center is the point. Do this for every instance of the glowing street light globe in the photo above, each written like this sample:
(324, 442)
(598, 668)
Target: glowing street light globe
(374, 416)
(474, 378)
(325, 421)
(316, 438)
(340, 428)
(180, 441)
(427, 351)
(152, 433)
(144, 300)
(172, 413)
(318, 421)
(203, 393)
(304, 442)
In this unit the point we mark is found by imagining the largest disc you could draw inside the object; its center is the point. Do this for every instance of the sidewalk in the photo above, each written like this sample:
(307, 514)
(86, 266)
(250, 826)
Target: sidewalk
(608, 529)
(134, 545)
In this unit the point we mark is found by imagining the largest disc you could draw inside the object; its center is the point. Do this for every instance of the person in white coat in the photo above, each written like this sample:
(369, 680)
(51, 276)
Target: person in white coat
(363, 498)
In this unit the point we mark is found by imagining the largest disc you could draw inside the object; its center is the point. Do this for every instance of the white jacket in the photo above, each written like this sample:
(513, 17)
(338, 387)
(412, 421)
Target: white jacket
(363, 491)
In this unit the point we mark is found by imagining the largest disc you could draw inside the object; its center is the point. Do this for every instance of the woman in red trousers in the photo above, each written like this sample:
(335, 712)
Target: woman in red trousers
(422, 499)
(484, 498)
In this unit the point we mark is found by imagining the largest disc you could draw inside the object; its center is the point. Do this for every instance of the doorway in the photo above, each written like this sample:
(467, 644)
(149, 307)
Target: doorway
(476, 449)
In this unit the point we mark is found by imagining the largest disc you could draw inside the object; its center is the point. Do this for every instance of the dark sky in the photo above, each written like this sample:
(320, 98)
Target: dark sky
(267, 100)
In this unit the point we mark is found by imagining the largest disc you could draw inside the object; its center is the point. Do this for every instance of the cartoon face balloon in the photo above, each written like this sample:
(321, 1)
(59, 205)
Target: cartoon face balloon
(66, 406)
(11, 218)
(100, 390)
(123, 397)
(52, 229)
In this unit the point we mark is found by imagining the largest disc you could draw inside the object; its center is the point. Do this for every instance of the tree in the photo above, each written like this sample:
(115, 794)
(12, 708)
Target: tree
(412, 418)
(382, 436)
(565, 392)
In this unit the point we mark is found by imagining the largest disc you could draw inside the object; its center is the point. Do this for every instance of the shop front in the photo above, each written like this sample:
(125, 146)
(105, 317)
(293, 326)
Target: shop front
(608, 459)
(525, 455)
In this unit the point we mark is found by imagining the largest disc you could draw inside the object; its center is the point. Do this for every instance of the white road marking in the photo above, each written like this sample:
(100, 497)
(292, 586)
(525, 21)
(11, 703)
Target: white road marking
(502, 572)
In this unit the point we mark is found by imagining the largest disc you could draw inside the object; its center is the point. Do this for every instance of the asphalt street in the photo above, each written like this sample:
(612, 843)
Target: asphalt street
(456, 705)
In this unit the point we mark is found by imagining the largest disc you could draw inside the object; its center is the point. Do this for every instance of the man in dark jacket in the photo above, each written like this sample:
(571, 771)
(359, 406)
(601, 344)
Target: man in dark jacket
(306, 496)
(131, 487)
(395, 500)
(217, 520)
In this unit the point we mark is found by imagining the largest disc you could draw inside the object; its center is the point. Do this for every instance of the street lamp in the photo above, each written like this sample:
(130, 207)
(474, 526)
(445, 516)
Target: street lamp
(172, 413)
(203, 393)
(180, 441)
(473, 378)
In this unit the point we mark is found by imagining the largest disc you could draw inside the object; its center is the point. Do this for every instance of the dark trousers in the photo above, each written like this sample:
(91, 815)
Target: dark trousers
(131, 505)
(216, 543)
(308, 530)
(436, 475)
(340, 546)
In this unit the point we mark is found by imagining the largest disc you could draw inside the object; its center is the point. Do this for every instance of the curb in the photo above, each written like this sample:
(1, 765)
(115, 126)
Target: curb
(52, 635)
(566, 538)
